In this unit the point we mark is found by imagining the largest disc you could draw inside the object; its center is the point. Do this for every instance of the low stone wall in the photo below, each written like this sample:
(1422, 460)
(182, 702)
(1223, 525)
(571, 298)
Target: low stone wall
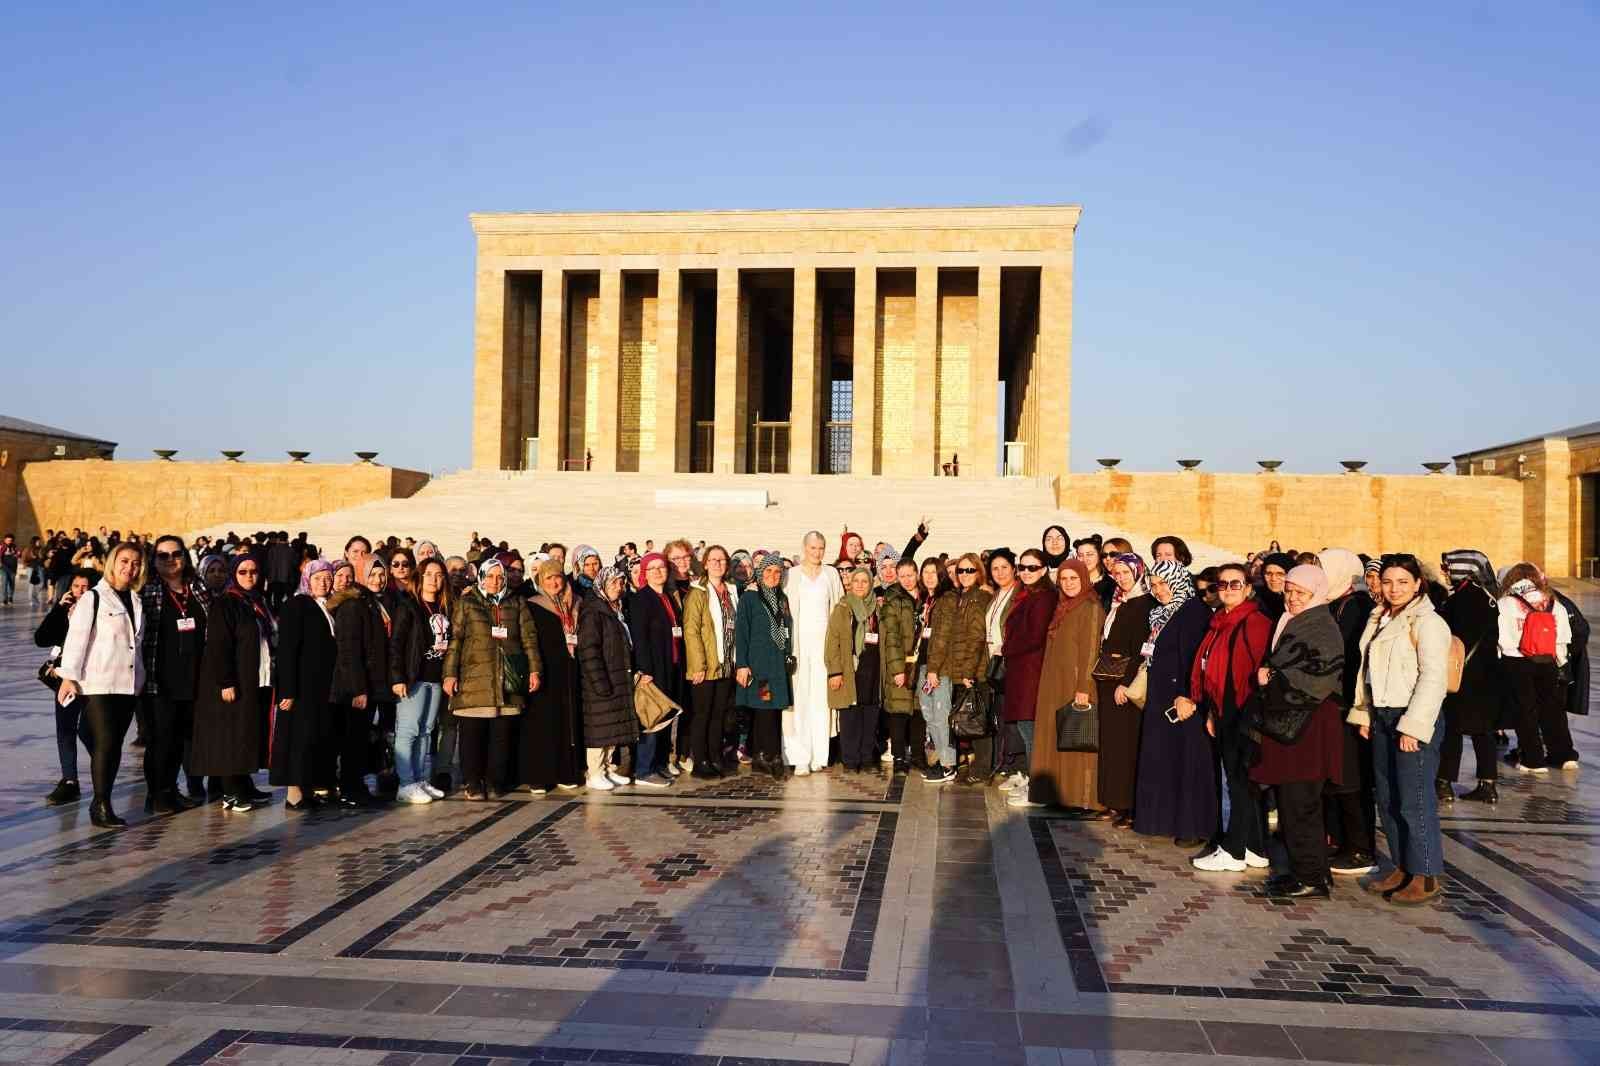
(1425, 514)
(160, 497)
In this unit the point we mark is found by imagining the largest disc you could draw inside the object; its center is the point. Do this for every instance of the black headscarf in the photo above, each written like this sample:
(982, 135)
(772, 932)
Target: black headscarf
(1055, 559)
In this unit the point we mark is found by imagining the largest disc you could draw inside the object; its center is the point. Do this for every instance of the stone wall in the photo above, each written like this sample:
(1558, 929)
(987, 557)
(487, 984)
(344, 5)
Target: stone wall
(159, 497)
(1424, 514)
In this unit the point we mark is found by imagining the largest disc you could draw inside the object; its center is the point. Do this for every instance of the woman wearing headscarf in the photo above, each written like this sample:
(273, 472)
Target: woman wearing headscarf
(1072, 644)
(550, 741)
(851, 549)
(1220, 685)
(850, 654)
(361, 677)
(1533, 680)
(1122, 635)
(491, 666)
(763, 648)
(1177, 781)
(1026, 630)
(898, 649)
(606, 679)
(1473, 710)
(655, 618)
(213, 571)
(1275, 567)
(1302, 742)
(585, 568)
(307, 655)
(1055, 545)
(1352, 813)
(232, 699)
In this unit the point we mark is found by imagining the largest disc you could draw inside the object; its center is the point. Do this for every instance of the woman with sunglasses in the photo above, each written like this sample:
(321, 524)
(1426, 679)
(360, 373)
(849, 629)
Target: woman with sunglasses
(232, 702)
(174, 643)
(1027, 627)
(1177, 785)
(932, 700)
(1126, 628)
(958, 645)
(361, 678)
(989, 753)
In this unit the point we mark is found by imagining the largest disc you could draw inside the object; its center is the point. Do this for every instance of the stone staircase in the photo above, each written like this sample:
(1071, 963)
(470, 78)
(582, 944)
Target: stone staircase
(527, 508)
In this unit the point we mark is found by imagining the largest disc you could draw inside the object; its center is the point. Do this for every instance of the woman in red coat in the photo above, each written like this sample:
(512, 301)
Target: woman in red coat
(1026, 631)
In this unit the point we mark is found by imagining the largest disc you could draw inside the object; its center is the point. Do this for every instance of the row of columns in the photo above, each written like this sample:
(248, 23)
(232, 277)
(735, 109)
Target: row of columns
(979, 454)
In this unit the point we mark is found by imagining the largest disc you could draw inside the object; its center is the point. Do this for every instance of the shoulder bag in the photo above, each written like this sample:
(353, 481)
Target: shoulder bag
(972, 713)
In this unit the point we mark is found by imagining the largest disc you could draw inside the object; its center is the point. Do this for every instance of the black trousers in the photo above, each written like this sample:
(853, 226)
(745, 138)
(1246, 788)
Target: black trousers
(355, 746)
(1483, 749)
(766, 734)
(486, 750)
(1540, 712)
(858, 735)
(171, 725)
(108, 718)
(1350, 810)
(899, 726)
(1300, 821)
(712, 703)
(1246, 825)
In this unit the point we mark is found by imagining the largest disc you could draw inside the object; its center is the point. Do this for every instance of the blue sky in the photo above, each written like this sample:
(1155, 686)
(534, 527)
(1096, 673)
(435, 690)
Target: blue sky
(1346, 232)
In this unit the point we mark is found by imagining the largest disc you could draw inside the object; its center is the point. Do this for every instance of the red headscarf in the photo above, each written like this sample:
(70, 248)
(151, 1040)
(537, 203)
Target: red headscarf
(644, 564)
(844, 544)
(1065, 603)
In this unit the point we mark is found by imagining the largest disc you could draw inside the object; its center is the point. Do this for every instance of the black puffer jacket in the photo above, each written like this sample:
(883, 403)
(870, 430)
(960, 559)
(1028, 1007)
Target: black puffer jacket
(363, 663)
(409, 640)
(605, 666)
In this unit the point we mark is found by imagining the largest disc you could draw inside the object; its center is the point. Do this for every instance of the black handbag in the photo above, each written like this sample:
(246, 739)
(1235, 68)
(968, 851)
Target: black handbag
(1111, 666)
(514, 675)
(997, 672)
(972, 713)
(1277, 718)
(1077, 728)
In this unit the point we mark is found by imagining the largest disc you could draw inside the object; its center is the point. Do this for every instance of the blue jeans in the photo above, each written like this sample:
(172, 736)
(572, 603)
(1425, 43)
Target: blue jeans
(1403, 784)
(644, 755)
(414, 719)
(1026, 731)
(8, 584)
(72, 725)
(936, 712)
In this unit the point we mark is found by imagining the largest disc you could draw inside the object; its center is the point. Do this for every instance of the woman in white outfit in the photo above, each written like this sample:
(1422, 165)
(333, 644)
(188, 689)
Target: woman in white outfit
(812, 589)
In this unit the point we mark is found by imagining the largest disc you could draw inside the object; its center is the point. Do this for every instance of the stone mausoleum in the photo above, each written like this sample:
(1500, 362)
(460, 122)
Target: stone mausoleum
(865, 342)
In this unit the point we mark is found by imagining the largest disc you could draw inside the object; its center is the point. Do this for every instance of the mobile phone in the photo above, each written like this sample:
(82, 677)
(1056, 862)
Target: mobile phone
(1172, 715)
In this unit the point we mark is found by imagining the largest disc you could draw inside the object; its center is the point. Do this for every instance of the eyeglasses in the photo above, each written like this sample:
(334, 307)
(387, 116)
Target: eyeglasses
(966, 569)
(1232, 586)
(1030, 568)
(162, 557)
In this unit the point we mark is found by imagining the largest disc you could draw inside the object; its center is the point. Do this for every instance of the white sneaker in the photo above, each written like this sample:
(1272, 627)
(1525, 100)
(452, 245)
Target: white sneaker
(1010, 783)
(615, 778)
(819, 769)
(887, 756)
(686, 765)
(413, 794)
(436, 793)
(568, 788)
(1019, 798)
(801, 771)
(1219, 861)
(1254, 861)
(537, 791)
(1570, 764)
(600, 783)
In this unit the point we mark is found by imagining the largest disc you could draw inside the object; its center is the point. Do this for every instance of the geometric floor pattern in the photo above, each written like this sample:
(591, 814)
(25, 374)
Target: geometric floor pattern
(867, 918)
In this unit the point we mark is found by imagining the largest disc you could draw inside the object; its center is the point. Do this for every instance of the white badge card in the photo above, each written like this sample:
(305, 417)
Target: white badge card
(572, 640)
(677, 631)
(872, 638)
(927, 632)
(186, 625)
(498, 632)
(1147, 649)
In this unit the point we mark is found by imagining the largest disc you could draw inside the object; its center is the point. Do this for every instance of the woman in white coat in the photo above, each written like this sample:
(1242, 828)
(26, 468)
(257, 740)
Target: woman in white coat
(101, 660)
(812, 589)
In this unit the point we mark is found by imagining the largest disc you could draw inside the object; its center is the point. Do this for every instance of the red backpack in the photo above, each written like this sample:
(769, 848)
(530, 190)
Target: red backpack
(1538, 632)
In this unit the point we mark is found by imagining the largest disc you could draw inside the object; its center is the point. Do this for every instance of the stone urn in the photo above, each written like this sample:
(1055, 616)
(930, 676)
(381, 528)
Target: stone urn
(1108, 464)
(367, 457)
(1190, 464)
(1269, 466)
(1435, 468)
(232, 456)
(298, 457)
(1352, 466)
(165, 454)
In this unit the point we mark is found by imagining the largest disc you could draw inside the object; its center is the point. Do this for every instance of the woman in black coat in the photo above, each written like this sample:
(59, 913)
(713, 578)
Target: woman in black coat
(605, 670)
(655, 619)
(361, 674)
(233, 696)
(307, 654)
(1127, 627)
(551, 731)
(1474, 710)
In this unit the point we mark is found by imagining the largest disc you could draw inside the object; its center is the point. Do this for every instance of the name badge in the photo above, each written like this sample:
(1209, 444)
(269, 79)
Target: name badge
(441, 646)
(572, 640)
(677, 632)
(872, 638)
(498, 632)
(1147, 649)
(186, 625)
(927, 632)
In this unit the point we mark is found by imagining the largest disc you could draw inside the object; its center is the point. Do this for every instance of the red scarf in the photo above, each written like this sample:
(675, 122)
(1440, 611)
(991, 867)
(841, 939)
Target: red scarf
(1223, 654)
(672, 620)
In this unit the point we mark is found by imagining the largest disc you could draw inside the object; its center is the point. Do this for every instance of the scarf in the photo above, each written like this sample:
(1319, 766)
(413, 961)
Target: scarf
(1182, 586)
(1313, 580)
(725, 603)
(1065, 603)
(579, 554)
(844, 543)
(862, 607)
(253, 598)
(644, 564)
(313, 568)
(1306, 660)
(1215, 664)
(672, 620)
(772, 598)
(1343, 568)
(1054, 559)
(486, 567)
(1469, 564)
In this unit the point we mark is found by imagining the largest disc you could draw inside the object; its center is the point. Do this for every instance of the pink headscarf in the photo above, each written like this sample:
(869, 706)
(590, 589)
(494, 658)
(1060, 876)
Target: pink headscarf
(1315, 581)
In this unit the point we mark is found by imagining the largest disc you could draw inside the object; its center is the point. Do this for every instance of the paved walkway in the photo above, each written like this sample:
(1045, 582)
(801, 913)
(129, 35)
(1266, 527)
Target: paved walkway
(836, 918)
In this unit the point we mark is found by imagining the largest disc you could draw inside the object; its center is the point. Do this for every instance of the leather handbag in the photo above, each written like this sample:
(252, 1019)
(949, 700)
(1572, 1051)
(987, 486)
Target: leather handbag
(514, 675)
(1139, 687)
(972, 713)
(1111, 666)
(1077, 727)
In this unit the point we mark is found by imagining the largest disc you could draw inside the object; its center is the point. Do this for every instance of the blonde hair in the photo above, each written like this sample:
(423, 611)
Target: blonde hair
(111, 558)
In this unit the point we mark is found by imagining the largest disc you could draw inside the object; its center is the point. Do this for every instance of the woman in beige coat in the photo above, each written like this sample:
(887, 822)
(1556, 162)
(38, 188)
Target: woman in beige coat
(1065, 778)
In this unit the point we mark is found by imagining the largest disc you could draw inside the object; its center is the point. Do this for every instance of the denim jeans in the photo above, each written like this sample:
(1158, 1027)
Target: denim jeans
(1403, 783)
(1025, 730)
(644, 754)
(936, 712)
(71, 727)
(8, 584)
(414, 719)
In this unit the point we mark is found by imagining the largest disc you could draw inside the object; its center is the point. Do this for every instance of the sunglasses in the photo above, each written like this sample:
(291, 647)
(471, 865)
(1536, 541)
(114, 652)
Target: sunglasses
(241, 572)
(1030, 568)
(966, 569)
(164, 556)
(1233, 586)
(399, 564)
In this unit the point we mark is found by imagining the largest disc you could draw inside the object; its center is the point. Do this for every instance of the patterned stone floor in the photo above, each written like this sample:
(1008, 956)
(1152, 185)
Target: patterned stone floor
(837, 918)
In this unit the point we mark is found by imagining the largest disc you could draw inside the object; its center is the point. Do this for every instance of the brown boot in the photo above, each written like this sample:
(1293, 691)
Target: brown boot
(1388, 883)
(1417, 890)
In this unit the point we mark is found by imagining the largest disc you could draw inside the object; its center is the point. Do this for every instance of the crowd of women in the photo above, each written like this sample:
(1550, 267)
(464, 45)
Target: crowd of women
(1329, 691)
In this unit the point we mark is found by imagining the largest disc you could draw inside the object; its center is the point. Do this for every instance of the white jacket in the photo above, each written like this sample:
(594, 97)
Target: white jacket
(1513, 615)
(1404, 665)
(103, 652)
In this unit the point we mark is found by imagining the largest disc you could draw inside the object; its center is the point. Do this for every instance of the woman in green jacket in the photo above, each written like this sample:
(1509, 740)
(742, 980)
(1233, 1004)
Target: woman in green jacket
(490, 666)
(850, 653)
(897, 622)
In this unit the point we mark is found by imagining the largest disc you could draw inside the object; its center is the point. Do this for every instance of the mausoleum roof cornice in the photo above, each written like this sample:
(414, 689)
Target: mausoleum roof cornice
(837, 219)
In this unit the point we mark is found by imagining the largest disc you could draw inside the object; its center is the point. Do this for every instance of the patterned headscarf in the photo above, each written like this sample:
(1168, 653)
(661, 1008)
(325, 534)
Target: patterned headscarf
(1182, 585)
(313, 568)
(579, 554)
(1469, 564)
(1140, 586)
(485, 568)
(604, 578)
(772, 598)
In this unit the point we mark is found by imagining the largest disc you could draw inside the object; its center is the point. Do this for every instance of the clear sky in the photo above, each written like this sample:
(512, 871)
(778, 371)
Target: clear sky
(1308, 233)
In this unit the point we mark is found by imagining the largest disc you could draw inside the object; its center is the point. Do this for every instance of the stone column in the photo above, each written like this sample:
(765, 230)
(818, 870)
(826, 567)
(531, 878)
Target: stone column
(607, 438)
(1053, 368)
(672, 376)
(806, 387)
(732, 395)
(552, 367)
(864, 349)
(489, 380)
(923, 459)
(984, 433)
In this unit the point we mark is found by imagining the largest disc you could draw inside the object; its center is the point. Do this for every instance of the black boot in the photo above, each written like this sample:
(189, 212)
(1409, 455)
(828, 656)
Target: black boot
(1443, 792)
(102, 816)
(64, 792)
(1486, 792)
